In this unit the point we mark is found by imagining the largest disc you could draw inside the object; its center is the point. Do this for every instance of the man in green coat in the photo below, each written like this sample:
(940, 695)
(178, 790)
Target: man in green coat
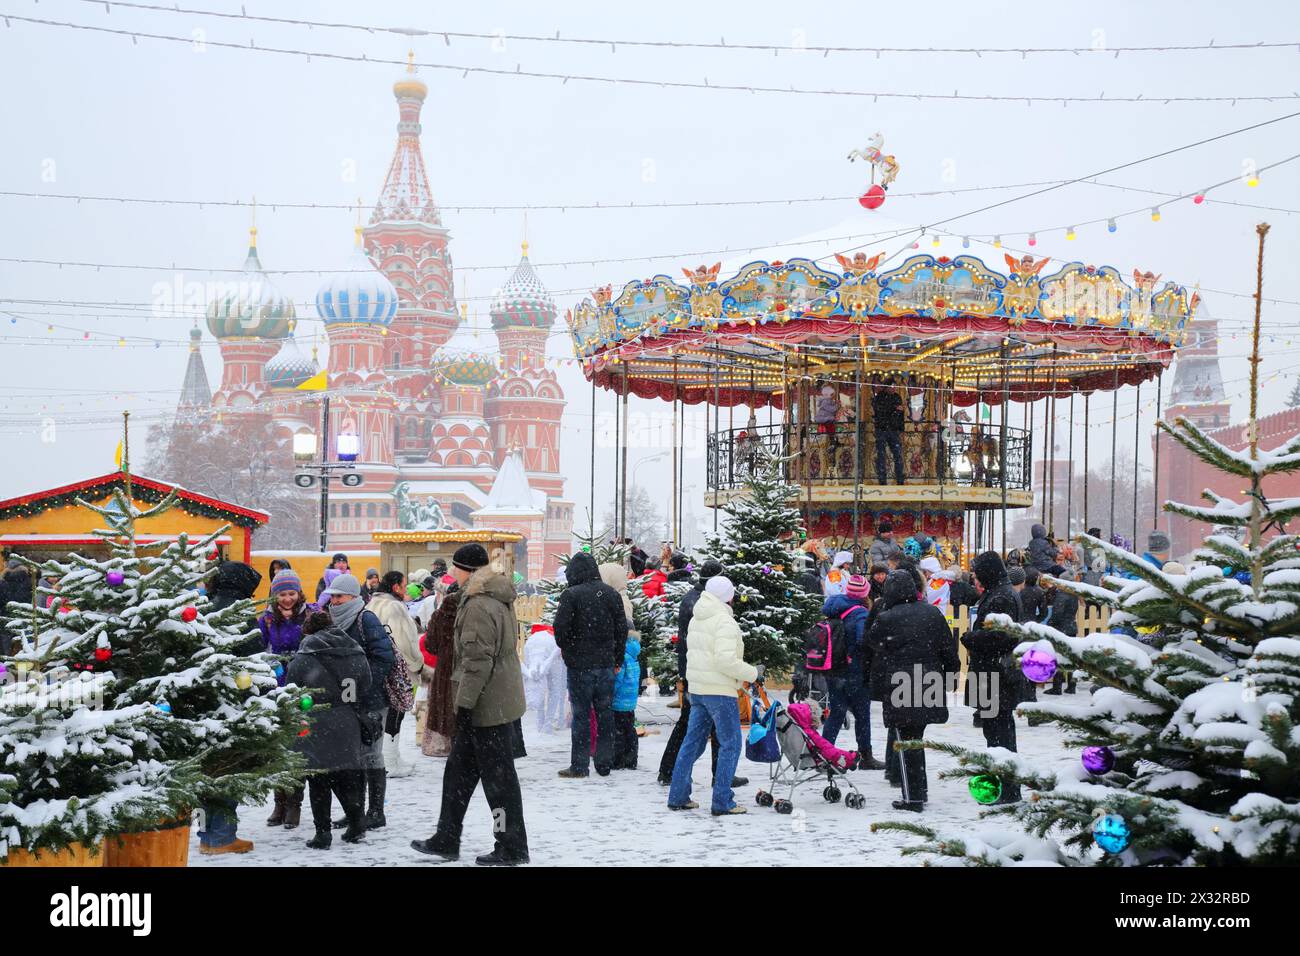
(489, 691)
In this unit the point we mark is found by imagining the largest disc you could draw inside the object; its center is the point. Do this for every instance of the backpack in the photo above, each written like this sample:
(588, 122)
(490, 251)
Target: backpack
(825, 646)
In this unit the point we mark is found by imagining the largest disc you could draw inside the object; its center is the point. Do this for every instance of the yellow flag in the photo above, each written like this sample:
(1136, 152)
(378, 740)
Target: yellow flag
(117, 455)
(317, 383)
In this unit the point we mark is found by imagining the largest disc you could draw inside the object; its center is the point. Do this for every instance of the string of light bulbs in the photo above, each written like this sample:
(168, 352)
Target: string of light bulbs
(722, 44)
(520, 73)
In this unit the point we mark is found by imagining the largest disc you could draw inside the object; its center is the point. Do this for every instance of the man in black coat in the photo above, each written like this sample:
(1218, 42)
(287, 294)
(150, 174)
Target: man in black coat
(1061, 612)
(591, 633)
(808, 578)
(1033, 601)
(917, 654)
(992, 678)
(15, 585)
(887, 418)
(685, 611)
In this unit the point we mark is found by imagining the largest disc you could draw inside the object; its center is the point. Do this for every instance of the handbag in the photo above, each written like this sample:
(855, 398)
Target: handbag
(763, 746)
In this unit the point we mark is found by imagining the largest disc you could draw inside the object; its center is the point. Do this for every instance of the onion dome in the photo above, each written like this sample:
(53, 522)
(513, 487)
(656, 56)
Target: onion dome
(251, 307)
(289, 368)
(523, 300)
(410, 85)
(467, 370)
(361, 295)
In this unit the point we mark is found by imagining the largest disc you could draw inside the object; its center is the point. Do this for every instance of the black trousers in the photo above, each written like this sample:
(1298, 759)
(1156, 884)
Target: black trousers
(348, 785)
(893, 767)
(892, 441)
(626, 742)
(393, 721)
(679, 734)
(483, 754)
(1000, 731)
(911, 763)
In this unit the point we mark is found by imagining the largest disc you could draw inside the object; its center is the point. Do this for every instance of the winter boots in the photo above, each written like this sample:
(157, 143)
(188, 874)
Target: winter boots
(867, 762)
(277, 815)
(913, 806)
(376, 783)
(321, 841)
(393, 759)
(435, 847)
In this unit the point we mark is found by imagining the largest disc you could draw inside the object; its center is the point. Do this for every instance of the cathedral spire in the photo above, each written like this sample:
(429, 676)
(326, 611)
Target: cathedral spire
(196, 394)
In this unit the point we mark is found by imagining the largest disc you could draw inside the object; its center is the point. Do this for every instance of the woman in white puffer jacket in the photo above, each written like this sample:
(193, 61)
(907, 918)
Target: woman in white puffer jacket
(715, 670)
(392, 613)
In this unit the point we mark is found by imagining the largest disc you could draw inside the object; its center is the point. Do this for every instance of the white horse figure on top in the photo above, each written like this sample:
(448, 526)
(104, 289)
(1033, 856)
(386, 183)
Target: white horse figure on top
(873, 154)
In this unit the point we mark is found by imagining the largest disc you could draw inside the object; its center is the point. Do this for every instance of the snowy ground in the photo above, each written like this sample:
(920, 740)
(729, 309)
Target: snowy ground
(623, 819)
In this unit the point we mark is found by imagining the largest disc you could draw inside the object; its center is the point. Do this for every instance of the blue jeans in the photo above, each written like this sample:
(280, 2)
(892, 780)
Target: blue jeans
(591, 688)
(221, 822)
(849, 693)
(709, 712)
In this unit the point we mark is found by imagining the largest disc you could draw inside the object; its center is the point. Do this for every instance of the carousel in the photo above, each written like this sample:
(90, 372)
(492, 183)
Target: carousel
(898, 394)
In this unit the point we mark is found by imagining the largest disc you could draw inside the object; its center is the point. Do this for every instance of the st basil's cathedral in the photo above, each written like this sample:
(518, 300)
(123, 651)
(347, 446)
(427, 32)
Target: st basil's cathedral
(473, 441)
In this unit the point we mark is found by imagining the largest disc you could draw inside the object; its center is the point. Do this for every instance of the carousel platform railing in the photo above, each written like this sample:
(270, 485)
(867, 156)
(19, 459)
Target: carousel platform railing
(844, 453)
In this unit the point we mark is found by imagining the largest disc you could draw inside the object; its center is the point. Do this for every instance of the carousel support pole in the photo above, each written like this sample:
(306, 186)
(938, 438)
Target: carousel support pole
(1114, 434)
(805, 416)
(1087, 398)
(1002, 442)
(675, 484)
(623, 522)
(717, 439)
(681, 475)
(1051, 477)
(1137, 437)
(591, 513)
(1069, 474)
(618, 498)
(857, 454)
(1155, 470)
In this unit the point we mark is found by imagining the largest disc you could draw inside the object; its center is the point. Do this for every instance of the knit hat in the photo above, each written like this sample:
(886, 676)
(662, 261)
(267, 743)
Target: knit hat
(539, 628)
(1174, 567)
(470, 557)
(930, 563)
(372, 573)
(720, 587)
(857, 586)
(652, 563)
(885, 528)
(418, 575)
(1016, 575)
(344, 584)
(1157, 541)
(710, 568)
(338, 557)
(285, 581)
(842, 558)
(677, 561)
(879, 568)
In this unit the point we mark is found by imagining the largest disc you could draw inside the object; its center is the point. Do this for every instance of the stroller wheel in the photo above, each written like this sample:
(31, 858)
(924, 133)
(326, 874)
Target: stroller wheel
(763, 798)
(784, 806)
(831, 794)
(855, 801)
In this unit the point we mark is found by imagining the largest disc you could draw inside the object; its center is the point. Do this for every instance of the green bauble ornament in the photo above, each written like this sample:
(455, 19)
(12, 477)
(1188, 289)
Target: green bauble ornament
(985, 788)
(306, 702)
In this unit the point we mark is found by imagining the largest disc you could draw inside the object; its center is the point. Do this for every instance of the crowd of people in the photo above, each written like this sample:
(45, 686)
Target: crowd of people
(368, 647)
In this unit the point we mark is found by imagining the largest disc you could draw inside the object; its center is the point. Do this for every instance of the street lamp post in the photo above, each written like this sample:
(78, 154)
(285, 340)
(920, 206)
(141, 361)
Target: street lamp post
(325, 471)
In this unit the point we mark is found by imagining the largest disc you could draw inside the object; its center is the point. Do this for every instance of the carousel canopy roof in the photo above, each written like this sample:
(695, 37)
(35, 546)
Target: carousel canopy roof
(738, 339)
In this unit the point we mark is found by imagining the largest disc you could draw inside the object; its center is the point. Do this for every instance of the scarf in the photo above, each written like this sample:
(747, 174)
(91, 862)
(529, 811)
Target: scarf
(346, 614)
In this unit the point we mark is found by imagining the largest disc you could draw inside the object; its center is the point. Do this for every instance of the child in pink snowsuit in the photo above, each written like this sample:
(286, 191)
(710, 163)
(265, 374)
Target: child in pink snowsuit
(843, 759)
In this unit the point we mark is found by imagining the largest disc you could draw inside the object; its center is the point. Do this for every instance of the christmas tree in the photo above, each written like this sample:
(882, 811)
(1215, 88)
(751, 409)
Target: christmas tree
(73, 771)
(759, 552)
(140, 615)
(1187, 753)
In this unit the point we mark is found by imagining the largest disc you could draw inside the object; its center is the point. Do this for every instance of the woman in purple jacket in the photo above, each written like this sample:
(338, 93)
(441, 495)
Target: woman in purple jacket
(281, 627)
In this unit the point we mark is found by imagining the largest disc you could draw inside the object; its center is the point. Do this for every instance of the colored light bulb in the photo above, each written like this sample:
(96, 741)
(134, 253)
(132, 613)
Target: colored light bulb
(1069, 233)
(1198, 198)
(1033, 239)
(997, 242)
(1155, 213)
(1110, 225)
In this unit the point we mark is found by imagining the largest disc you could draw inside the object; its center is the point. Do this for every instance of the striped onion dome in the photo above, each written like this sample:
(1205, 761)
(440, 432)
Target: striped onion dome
(466, 369)
(523, 300)
(289, 368)
(252, 306)
(360, 295)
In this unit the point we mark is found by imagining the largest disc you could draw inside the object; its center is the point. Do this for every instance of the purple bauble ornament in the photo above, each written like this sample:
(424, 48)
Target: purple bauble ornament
(1098, 760)
(114, 579)
(1038, 665)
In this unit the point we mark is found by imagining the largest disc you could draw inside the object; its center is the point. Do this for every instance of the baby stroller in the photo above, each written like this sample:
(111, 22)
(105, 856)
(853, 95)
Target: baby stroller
(794, 757)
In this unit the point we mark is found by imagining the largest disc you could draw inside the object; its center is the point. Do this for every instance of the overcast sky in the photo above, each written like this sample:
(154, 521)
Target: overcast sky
(95, 114)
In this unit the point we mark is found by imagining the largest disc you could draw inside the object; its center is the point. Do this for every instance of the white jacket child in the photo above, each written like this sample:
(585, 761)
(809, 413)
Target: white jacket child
(546, 685)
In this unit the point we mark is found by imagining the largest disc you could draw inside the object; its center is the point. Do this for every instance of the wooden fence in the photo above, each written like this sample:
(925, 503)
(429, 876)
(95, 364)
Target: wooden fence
(1089, 620)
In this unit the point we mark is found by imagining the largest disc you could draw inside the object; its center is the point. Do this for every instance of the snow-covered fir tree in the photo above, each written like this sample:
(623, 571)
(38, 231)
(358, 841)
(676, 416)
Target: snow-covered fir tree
(139, 615)
(759, 552)
(1188, 752)
(73, 771)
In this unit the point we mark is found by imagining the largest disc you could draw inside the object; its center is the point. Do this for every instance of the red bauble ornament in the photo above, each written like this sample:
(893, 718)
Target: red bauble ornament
(102, 654)
(306, 729)
(189, 614)
(873, 198)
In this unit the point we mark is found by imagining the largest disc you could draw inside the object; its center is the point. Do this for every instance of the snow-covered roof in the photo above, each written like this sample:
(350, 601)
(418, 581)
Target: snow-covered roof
(511, 495)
